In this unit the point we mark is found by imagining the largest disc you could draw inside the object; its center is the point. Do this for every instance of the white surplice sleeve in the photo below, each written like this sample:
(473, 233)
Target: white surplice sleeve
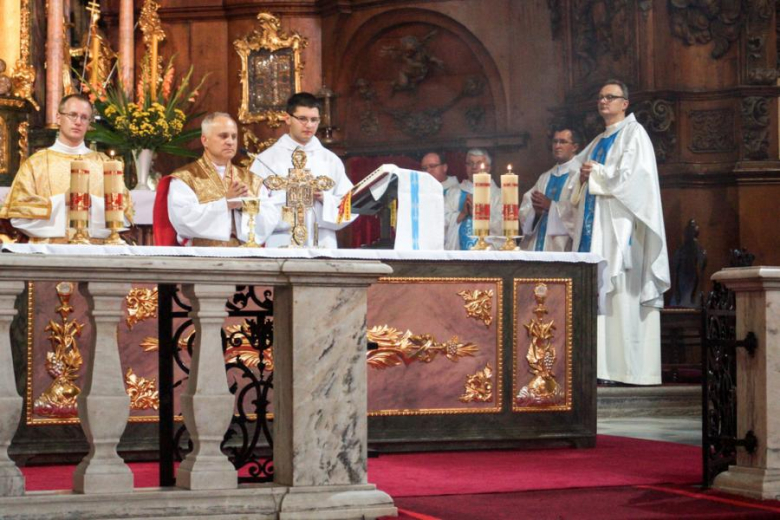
(191, 219)
(54, 227)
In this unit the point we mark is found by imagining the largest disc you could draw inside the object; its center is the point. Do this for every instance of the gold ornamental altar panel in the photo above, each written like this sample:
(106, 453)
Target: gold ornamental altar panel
(438, 346)
(542, 357)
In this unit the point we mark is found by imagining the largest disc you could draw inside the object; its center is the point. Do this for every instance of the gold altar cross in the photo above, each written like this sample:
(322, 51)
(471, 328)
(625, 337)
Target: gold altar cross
(300, 186)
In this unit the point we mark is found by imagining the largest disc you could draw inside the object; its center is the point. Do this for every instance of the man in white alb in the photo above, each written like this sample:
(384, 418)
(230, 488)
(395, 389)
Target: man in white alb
(202, 198)
(435, 163)
(302, 119)
(619, 217)
(36, 202)
(477, 161)
(546, 216)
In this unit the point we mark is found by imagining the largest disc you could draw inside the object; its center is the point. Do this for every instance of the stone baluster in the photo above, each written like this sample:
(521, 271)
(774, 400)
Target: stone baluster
(11, 479)
(103, 404)
(320, 404)
(756, 474)
(207, 404)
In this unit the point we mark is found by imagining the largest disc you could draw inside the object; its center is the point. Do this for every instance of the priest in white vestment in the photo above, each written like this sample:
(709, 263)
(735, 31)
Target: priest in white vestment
(435, 163)
(619, 217)
(477, 161)
(302, 119)
(36, 203)
(203, 204)
(546, 215)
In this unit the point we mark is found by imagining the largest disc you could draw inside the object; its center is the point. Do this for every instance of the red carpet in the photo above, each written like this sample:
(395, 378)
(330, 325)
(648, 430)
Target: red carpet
(616, 461)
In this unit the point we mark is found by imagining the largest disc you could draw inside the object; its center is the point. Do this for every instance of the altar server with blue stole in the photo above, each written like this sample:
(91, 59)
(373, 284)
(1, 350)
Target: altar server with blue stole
(619, 217)
(546, 214)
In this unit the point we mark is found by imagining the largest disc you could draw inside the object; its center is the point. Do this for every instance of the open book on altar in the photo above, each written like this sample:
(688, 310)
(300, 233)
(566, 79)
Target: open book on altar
(420, 213)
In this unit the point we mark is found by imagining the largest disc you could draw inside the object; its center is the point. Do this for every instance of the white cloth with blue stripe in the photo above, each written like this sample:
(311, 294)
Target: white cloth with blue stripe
(420, 216)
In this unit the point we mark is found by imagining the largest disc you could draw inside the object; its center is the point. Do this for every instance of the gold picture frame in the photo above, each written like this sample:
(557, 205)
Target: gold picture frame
(271, 71)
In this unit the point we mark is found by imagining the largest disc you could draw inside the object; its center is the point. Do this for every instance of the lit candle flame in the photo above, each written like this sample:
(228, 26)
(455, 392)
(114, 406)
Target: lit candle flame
(509, 168)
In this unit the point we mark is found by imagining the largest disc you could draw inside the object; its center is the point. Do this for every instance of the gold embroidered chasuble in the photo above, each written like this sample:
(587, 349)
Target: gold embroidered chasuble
(202, 178)
(46, 174)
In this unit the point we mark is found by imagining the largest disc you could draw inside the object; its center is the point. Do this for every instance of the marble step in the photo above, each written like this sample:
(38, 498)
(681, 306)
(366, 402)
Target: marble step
(649, 401)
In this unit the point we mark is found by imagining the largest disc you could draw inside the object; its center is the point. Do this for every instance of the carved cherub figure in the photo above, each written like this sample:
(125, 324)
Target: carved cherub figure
(415, 59)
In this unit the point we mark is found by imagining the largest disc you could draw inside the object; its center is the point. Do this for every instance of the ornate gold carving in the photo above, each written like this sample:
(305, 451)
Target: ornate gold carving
(63, 362)
(23, 75)
(479, 387)
(141, 305)
(271, 71)
(479, 305)
(24, 128)
(143, 392)
(151, 67)
(543, 388)
(4, 146)
(254, 146)
(5, 102)
(396, 348)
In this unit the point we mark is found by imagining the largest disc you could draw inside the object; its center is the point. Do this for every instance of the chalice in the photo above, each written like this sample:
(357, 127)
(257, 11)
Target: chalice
(250, 206)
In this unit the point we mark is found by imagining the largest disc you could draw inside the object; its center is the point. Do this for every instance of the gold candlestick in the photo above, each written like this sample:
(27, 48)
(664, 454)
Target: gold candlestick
(113, 195)
(79, 201)
(481, 244)
(252, 208)
(510, 243)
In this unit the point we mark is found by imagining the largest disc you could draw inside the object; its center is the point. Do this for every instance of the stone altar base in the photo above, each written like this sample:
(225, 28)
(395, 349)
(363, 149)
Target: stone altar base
(254, 501)
(759, 483)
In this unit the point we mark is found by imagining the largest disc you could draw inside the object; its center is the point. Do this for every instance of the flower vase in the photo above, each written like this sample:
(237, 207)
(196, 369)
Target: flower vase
(143, 165)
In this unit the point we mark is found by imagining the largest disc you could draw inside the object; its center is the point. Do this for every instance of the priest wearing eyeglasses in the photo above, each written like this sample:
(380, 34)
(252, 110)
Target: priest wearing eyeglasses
(619, 217)
(36, 202)
(302, 119)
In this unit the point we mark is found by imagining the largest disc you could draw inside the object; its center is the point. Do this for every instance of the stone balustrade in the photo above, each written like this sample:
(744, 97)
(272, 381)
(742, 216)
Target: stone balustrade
(757, 473)
(319, 391)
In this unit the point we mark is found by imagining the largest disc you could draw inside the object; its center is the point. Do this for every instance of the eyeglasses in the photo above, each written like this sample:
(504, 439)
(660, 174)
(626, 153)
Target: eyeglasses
(306, 120)
(561, 141)
(431, 166)
(609, 98)
(73, 116)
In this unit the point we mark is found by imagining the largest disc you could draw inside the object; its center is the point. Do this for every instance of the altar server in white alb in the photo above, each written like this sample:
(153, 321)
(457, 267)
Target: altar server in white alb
(203, 199)
(546, 214)
(619, 217)
(302, 119)
(435, 163)
(477, 161)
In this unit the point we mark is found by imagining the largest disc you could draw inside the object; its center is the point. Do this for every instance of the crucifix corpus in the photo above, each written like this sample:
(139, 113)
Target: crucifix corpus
(300, 186)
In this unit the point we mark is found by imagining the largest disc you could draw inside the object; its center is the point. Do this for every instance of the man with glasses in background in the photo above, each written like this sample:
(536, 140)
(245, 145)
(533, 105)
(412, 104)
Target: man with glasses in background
(545, 212)
(302, 119)
(435, 163)
(619, 217)
(36, 202)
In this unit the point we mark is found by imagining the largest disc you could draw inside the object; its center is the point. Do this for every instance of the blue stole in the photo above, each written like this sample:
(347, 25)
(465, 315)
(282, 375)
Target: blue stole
(553, 192)
(466, 237)
(599, 155)
(415, 181)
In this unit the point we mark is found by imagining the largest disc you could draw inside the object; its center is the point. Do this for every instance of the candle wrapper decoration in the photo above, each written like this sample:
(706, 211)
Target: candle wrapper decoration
(113, 193)
(79, 200)
(509, 199)
(481, 201)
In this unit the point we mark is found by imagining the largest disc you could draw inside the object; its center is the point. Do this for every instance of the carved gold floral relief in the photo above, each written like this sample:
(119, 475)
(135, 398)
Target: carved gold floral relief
(63, 362)
(141, 305)
(478, 305)
(479, 387)
(396, 348)
(143, 392)
(543, 389)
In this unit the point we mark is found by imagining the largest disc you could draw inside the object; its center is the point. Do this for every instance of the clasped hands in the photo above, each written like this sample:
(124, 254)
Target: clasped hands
(467, 210)
(236, 190)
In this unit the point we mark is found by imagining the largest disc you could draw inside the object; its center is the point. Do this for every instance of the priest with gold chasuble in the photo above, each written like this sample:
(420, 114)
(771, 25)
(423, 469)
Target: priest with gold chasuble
(204, 200)
(37, 203)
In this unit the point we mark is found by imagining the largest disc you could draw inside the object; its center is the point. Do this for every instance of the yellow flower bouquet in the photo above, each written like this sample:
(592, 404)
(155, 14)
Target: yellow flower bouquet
(152, 123)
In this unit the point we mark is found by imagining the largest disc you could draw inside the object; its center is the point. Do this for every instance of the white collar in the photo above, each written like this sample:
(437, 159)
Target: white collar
(611, 129)
(560, 169)
(61, 147)
(288, 143)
